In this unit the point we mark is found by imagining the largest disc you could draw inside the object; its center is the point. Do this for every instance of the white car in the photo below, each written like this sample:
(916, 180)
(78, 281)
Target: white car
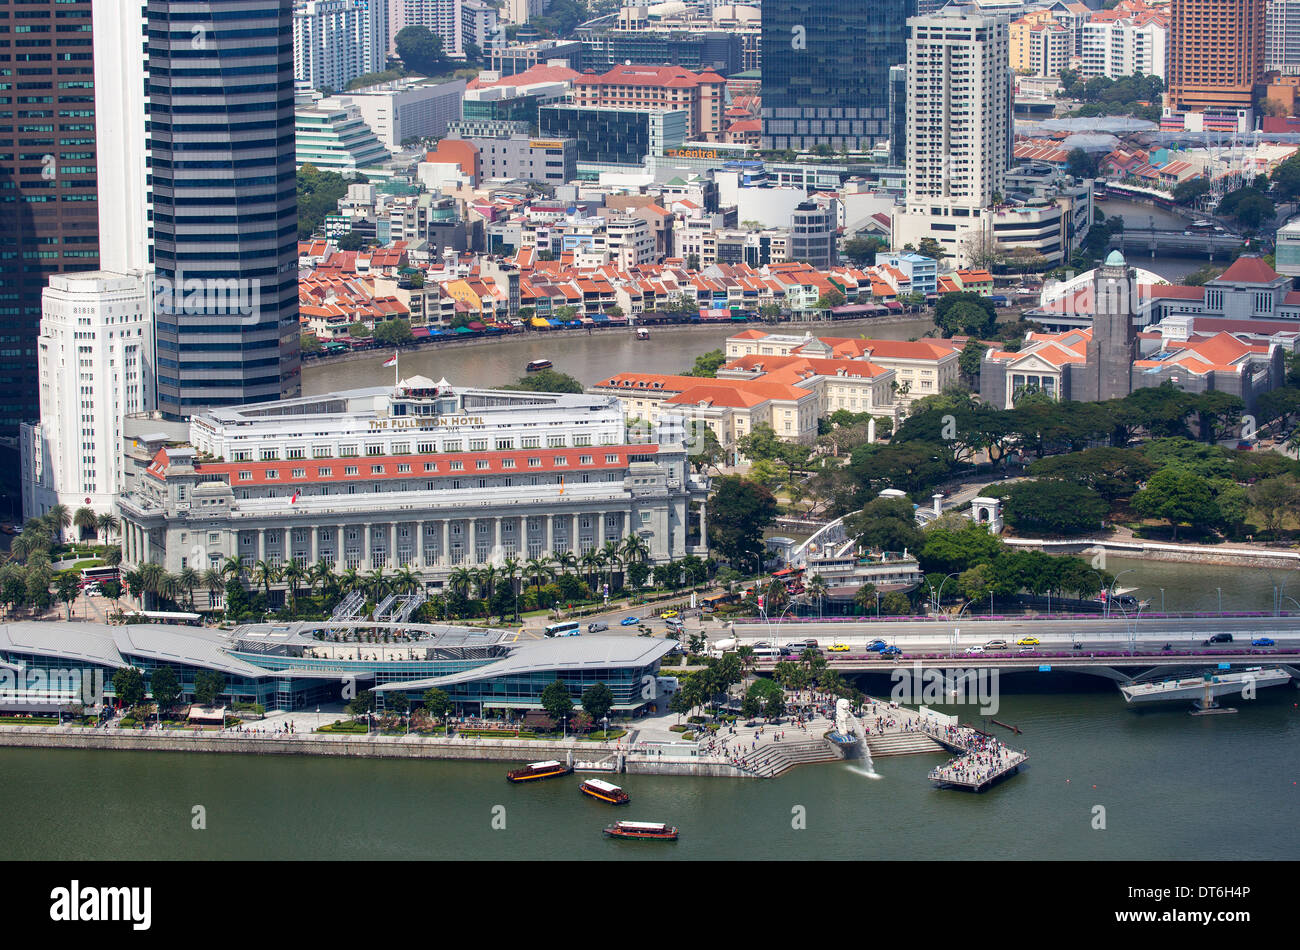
(975, 649)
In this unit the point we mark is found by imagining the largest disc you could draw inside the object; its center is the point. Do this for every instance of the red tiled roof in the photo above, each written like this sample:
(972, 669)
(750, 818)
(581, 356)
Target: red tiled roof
(1249, 269)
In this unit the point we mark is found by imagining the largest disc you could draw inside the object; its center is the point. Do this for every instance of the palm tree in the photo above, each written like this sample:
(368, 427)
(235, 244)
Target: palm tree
(376, 584)
(214, 582)
(321, 574)
(566, 561)
(265, 573)
(461, 579)
(107, 523)
(168, 586)
(189, 579)
(635, 549)
(816, 588)
(486, 578)
(612, 552)
(20, 547)
(236, 567)
(351, 580)
(405, 580)
(86, 522)
(151, 575)
(59, 518)
(539, 569)
(590, 562)
(293, 573)
(113, 556)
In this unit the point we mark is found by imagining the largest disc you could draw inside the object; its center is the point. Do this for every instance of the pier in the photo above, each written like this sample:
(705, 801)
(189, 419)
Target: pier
(980, 763)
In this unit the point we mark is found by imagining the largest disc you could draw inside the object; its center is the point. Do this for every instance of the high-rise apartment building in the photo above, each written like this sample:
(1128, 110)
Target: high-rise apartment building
(48, 191)
(1216, 54)
(958, 128)
(221, 110)
(1116, 43)
(1282, 37)
(335, 41)
(455, 22)
(826, 71)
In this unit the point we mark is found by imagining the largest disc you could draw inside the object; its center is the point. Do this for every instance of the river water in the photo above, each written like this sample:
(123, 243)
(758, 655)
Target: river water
(1171, 786)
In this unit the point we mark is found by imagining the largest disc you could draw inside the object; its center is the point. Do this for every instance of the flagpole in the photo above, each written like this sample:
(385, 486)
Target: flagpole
(396, 369)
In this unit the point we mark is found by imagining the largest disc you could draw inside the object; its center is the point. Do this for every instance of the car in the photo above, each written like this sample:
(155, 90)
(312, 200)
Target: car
(891, 651)
(995, 644)
(1027, 642)
(876, 645)
(1217, 638)
(629, 621)
(1263, 642)
(975, 649)
(1026, 650)
(801, 645)
(668, 614)
(597, 626)
(839, 648)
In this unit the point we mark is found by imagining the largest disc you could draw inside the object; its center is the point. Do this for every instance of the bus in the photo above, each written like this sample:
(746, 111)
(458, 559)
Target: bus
(162, 616)
(570, 628)
(98, 575)
(712, 602)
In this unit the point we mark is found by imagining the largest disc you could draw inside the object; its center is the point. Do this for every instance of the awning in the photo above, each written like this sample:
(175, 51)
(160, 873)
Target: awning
(539, 322)
(476, 325)
(420, 332)
(893, 305)
(739, 317)
(462, 330)
(554, 323)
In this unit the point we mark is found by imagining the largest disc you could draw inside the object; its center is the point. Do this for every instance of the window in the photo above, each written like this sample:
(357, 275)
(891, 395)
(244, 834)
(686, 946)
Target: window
(430, 466)
(373, 449)
(481, 464)
(324, 472)
(478, 445)
(559, 460)
(350, 470)
(403, 468)
(584, 459)
(299, 473)
(376, 470)
(507, 463)
(453, 446)
(555, 442)
(456, 466)
(612, 459)
(401, 448)
(425, 448)
(272, 473)
(347, 451)
(534, 463)
(295, 452)
(245, 476)
(505, 445)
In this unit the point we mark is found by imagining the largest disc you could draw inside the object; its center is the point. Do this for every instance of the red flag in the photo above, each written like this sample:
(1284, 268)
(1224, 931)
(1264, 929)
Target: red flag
(294, 499)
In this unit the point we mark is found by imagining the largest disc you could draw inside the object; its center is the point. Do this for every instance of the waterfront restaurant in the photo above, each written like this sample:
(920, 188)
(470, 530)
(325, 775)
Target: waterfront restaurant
(304, 664)
(627, 665)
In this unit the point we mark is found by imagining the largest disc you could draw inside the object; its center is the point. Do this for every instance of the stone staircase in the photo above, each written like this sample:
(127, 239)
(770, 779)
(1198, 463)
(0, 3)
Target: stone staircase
(777, 757)
(905, 743)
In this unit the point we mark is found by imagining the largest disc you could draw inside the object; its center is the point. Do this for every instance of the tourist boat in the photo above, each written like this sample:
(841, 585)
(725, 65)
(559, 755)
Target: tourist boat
(1099, 195)
(539, 770)
(642, 333)
(641, 829)
(535, 365)
(604, 791)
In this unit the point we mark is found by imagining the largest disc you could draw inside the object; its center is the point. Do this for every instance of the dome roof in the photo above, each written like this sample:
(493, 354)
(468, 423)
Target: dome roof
(1115, 259)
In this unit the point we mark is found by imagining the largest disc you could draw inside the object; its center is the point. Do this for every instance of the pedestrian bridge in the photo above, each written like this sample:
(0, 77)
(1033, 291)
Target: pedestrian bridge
(1161, 243)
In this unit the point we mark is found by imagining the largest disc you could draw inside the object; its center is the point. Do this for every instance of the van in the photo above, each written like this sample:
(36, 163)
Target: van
(1218, 638)
(767, 651)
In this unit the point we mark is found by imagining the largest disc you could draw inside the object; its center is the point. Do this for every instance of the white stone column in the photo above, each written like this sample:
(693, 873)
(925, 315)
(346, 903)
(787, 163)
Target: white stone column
(550, 534)
(313, 555)
(365, 546)
(445, 553)
(261, 544)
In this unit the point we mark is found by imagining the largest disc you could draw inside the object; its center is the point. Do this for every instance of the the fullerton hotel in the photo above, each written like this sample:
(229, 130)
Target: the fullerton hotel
(420, 474)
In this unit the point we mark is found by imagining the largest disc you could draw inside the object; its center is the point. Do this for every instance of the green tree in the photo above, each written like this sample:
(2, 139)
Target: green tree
(739, 512)
(965, 313)
(420, 50)
(396, 701)
(165, 687)
(395, 332)
(598, 700)
(1053, 507)
(886, 524)
(863, 250)
(1178, 496)
(362, 703)
(208, 687)
(1081, 164)
(707, 364)
(1191, 190)
(68, 588)
(437, 703)
(547, 381)
(556, 700)
(128, 686)
(970, 361)
(308, 343)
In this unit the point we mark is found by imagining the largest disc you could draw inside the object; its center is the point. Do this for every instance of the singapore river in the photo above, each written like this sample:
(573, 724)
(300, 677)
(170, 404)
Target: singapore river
(1171, 786)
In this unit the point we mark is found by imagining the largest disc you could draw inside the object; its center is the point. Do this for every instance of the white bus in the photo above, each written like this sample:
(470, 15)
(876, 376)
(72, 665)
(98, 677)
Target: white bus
(570, 628)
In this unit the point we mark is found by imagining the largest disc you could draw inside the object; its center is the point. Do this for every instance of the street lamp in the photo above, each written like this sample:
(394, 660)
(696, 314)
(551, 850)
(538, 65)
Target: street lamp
(938, 600)
(1110, 594)
(1162, 600)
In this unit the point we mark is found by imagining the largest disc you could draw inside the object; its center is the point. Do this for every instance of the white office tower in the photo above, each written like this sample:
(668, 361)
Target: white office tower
(335, 41)
(958, 123)
(1282, 37)
(123, 143)
(95, 365)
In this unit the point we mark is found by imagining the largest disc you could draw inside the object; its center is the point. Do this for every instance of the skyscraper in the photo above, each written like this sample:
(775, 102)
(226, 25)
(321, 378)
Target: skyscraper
(1216, 54)
(826, 70)
(221, 112)
(48, 210)
(958, 127)
(1282, 37)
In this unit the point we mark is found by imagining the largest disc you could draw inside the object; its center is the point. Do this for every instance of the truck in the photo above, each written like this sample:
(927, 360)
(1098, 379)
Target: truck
(718, 647)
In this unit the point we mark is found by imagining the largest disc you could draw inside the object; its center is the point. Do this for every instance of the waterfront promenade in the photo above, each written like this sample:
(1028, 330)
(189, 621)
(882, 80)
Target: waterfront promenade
(981, 761)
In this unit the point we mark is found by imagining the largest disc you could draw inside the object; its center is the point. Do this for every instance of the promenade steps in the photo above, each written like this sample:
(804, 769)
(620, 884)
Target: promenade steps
(777, 757)
(907, 743)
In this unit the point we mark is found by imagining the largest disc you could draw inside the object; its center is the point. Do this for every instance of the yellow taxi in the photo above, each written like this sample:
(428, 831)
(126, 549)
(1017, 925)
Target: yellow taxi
(839, 648)
(1027, 642)
(668, 614)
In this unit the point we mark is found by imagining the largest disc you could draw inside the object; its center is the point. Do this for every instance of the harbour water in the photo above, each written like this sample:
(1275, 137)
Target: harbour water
(1171, 786)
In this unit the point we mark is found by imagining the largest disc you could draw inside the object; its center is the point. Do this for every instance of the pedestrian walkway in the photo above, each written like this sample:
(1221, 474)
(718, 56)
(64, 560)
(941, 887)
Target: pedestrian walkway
(982, 760)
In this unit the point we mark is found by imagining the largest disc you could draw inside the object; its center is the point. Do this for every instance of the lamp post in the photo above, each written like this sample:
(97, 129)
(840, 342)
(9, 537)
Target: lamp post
(1162, 600)
(1220, 590)
(938, 600)
(1110, 594)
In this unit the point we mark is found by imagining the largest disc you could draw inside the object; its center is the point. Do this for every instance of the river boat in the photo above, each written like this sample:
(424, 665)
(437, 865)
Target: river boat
(604, 791)
(536, 365)
(641, 830)
(539, 770)
(642, 333)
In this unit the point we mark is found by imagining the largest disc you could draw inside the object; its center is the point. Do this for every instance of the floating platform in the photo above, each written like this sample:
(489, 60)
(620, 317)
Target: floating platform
(1205, 689)
(943, 777)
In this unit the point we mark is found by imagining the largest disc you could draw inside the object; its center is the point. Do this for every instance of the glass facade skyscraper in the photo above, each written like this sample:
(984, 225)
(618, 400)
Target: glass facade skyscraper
(826, 70)
(223, 182)
(49, 215)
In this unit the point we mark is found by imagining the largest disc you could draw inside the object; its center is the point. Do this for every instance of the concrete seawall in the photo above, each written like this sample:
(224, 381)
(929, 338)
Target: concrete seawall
(373, 747)
(1165, 551)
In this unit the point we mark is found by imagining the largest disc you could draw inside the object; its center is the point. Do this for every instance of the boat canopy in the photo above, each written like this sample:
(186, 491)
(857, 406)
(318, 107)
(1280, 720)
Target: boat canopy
(602, 786)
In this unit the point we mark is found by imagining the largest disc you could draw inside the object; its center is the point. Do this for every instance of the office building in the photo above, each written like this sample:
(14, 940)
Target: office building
(336, 139)
(959, 112)
(225, 202)
(813, 235)
(613, 138)
(1216, 54)
(49, 218)
(826, 71)
(522, 156)
(701, 96)
(95, 362)
(407, 110)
